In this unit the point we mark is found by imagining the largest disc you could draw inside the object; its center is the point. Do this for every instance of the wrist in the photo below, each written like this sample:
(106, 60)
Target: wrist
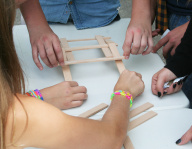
(127, 96)
(45, 94)
(35, 93)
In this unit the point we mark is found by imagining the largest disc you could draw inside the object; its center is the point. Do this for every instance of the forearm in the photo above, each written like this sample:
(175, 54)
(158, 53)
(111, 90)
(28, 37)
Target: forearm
(118, 112)
(141, 10)
(153, 10)
(33, 14)
(118, 115)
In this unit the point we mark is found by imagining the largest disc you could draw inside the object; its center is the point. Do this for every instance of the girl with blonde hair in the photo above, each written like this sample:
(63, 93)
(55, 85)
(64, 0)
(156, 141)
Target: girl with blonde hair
(28, 122)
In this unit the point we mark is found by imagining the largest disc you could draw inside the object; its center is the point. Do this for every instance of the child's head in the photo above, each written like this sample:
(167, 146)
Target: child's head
(11, 75)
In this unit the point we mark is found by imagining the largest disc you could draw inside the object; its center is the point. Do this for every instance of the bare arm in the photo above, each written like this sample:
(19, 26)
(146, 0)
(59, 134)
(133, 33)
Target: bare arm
(48, 127)
(43, 40)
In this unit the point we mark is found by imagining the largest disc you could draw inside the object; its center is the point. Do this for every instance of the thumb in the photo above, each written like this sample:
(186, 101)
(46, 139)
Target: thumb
(185, 138)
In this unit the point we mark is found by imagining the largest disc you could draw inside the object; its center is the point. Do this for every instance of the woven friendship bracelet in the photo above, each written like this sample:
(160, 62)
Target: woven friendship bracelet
(35, 93)
(123, 93)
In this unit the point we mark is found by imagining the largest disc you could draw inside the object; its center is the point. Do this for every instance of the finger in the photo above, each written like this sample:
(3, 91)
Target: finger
(79, 96)
(161, 43)
(154, 83)
(76, 103)
(73, 83)
(173, 50)
(186, 137)
(150, 46)
(36, 58)
(50, 53)
(127, 45)
(58, 51)
(166, 49)
(177, 88)
(155, 32)
(44, 56)
(136, 43)
(79, 89)
(159, 86)
(174, 88)
(143, 44)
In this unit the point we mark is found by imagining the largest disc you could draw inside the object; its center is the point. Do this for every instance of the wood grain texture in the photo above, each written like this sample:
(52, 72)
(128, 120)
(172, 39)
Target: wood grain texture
(86, 47)
(86, 39)
(140, 109)
(107, 41)
(93, 60)
(101, 41)
(67, 56)
(115, 52)
(93, 111)
(140, 120)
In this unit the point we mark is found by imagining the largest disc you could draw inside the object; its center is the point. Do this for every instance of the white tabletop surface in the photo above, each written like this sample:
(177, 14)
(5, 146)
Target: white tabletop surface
(99, 77)
(162, 131)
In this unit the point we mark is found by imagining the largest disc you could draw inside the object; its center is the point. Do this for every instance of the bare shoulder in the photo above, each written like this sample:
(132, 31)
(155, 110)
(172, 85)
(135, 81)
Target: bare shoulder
(29, 121)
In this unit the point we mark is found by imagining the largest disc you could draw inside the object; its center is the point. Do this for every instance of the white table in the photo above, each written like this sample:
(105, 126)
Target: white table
(99, 77)
(162, 131)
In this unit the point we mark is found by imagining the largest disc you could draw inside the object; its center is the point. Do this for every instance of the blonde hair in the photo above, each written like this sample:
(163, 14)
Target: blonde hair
(11, 74)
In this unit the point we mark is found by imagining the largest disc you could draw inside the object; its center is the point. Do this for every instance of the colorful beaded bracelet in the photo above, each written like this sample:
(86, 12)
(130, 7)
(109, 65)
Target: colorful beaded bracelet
(123, 93)
(35, 93)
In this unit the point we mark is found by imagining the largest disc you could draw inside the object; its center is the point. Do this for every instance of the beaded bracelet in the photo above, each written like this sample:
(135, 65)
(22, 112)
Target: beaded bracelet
(35, 93)
(123, 93)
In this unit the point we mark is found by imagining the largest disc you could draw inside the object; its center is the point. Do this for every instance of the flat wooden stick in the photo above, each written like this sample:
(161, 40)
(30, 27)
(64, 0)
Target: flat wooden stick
(65, 45)
(115, 53)
(106, 51)
(66, 69)
(140, 109)
(128, 144)
(87, 47)
(73, 40)
(141, 120)
(93, 111)
(110, 41)
(94, 60)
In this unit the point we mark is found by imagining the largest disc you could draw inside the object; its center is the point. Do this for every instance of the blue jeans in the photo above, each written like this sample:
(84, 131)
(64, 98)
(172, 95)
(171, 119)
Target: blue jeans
(175, 21)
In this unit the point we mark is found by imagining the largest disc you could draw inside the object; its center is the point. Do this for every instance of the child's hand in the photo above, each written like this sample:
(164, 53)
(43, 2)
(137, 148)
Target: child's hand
(131, 82)
(65, 95)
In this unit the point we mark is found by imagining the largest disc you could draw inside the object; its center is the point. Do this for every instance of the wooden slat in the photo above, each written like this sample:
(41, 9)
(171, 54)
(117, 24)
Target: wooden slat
(106, 51)
(66, 69)
(94, 60)
(141, 120)
(69, 54)
(87, 39)
(140, 109)
(107, 41)
(128, 144)
(93, 111)
(87, 47)
(115, 52)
